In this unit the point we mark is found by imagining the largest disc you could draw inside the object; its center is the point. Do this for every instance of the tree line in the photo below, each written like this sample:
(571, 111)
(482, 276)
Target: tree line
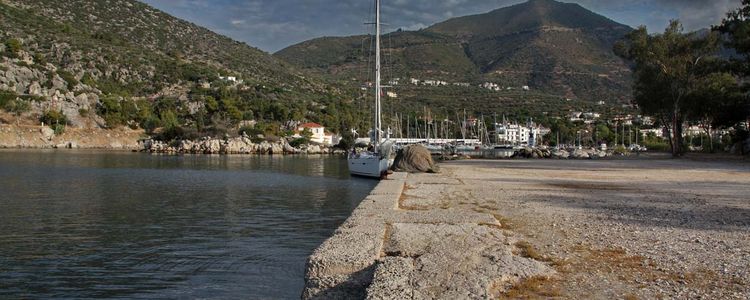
(684, 78)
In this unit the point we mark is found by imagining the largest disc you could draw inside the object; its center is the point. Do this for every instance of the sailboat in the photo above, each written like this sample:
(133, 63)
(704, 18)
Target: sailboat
(374, 163)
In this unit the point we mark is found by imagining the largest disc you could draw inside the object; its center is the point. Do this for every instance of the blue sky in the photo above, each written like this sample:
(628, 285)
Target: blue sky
(274, 24)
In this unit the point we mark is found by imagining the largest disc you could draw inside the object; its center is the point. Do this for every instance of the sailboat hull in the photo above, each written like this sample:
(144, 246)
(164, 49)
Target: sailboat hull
(371, 166)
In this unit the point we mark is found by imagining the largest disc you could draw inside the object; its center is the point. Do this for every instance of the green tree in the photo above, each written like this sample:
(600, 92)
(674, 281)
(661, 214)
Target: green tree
(736, 26)
(605, 134)
(17, 107)
(716, 103)
(668, 69)
(13, 46)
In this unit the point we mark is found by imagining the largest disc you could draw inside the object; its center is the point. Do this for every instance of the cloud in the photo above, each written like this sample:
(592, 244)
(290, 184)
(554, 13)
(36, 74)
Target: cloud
(275, 24)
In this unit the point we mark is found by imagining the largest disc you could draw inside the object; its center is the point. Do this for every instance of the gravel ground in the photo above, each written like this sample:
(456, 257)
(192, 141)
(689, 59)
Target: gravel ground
(627, 229)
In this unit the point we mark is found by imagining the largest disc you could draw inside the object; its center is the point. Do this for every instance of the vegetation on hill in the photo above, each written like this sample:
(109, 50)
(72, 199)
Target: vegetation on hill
(112, 63)
(559, 49)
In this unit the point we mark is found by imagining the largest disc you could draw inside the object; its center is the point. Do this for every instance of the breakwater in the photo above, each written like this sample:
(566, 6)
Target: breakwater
(392, 249)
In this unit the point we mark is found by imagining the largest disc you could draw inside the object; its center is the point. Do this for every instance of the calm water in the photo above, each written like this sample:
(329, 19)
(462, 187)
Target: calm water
(127, 225)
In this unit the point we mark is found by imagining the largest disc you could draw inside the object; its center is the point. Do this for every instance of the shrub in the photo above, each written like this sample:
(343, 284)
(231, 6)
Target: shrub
(88, 80)
(39, 59)
(657, 146)
(69, 78)
(59, 129)
(346, 143)
(621, 150)
(12, 47)
(249, 130)
(150, 124)
(6, 96)
(54, 118)
(298, 142)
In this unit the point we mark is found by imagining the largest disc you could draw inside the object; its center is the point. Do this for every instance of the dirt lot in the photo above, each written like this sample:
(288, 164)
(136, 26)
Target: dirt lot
(629, 229)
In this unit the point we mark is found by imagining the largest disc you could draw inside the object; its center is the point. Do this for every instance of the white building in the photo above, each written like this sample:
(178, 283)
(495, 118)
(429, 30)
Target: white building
(657, 132)
(516, 134)
(491, 86)
(392, 95)
(319, 134)
(228, 78)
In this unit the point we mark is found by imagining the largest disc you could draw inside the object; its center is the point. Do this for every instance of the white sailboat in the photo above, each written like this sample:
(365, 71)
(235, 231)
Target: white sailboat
(373, 163)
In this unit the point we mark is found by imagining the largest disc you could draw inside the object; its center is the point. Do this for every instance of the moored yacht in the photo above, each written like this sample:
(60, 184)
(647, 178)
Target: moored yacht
(373, 163)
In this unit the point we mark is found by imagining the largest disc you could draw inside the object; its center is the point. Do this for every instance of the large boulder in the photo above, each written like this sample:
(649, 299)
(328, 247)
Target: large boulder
(47, 133)
(580, 154)
(414, 159)
(35, 89)
(313, 149)
(560, 154)
(277, 148)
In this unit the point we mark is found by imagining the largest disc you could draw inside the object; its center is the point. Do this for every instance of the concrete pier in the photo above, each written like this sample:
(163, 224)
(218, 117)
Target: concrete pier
(546, 229)
(387, 250)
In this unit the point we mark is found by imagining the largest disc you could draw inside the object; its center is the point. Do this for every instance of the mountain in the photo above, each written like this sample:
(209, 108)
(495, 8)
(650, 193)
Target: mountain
(555, 48)
(108, 63)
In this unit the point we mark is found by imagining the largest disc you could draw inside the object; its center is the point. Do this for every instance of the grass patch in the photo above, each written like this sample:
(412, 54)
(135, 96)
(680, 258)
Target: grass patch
(537, 287)
(505, 223)
(630, 297)
(527, 250)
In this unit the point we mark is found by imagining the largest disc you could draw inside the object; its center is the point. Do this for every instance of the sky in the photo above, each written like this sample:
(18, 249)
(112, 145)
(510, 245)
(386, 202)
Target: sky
(275, 24)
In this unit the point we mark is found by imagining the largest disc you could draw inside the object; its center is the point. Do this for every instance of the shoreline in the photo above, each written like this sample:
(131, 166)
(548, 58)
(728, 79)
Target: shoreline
(547, 229)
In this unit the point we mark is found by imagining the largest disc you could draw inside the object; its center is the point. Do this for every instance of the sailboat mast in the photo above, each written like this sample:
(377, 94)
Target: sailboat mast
(378, 120)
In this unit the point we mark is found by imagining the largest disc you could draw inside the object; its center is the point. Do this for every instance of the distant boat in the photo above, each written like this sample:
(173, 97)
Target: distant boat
(373, 163)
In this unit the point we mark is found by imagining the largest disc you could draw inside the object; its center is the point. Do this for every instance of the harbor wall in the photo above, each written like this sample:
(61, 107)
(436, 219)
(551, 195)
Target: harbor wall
(343, 266)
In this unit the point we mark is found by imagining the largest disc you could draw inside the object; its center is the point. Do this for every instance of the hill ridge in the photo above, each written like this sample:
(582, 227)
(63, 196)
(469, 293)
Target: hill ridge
(562, 49)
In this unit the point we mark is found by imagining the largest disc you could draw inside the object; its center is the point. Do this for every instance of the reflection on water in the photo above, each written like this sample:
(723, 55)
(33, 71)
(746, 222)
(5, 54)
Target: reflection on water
(93, 224)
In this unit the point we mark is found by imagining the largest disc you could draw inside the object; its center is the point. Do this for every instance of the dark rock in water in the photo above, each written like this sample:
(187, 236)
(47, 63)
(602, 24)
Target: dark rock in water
(415, 159)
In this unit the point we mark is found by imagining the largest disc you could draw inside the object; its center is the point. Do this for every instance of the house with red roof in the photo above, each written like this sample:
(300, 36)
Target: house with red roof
(319, 134)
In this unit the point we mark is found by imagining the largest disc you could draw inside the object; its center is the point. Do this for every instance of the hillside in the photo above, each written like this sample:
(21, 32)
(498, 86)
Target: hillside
(110, 63)
(556, 48)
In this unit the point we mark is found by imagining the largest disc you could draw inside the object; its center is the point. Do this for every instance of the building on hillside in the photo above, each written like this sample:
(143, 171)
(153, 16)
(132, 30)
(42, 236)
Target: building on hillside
(517, 134)
(576, 116)
(491, 86)
(319, 134)
(228, 78)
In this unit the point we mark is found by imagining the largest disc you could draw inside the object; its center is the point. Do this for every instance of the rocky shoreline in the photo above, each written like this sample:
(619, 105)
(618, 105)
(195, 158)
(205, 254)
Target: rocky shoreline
(238, 145)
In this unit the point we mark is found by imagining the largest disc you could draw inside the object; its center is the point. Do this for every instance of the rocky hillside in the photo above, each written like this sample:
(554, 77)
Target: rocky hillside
(557, 48)
(109, 63)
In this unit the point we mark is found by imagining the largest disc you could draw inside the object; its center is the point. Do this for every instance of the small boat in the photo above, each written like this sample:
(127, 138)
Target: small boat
(374, 163)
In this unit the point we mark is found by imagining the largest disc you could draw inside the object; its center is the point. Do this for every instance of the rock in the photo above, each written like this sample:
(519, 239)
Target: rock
(289, 149)
(313, 149)
(47, 133)
(580, 154)
(277, 148)
(414, 159)
(236, 146)
(58, 83)
(35, 89)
